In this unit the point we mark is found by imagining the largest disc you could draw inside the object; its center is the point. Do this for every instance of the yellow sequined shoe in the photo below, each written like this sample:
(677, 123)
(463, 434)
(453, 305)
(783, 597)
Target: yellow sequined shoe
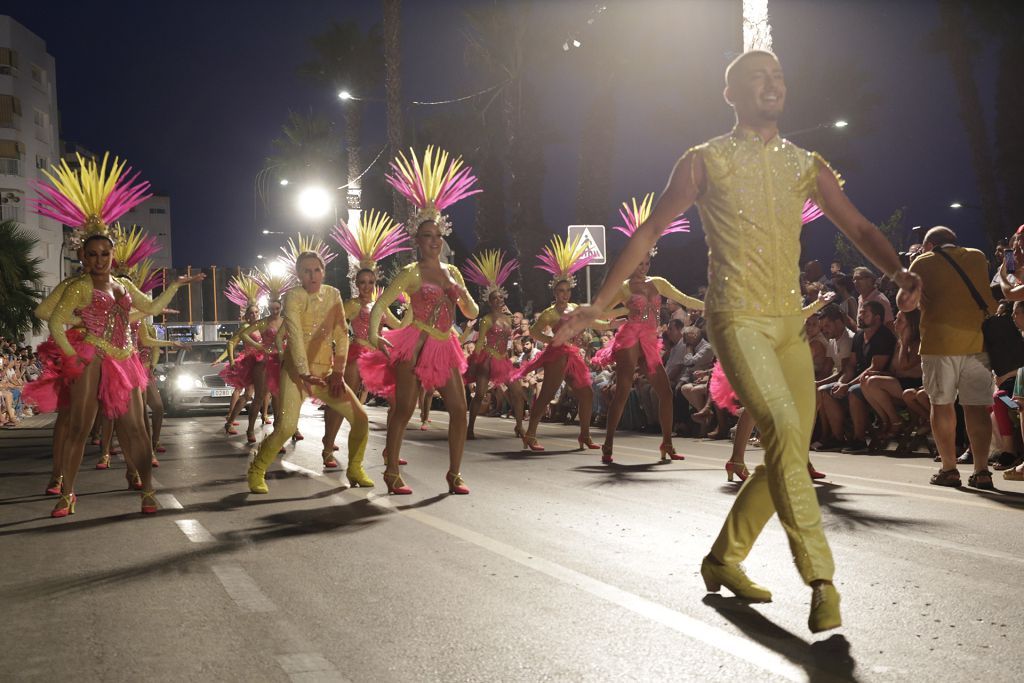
(256, 482)
(357, 477)
(717, 575)
(824, 609)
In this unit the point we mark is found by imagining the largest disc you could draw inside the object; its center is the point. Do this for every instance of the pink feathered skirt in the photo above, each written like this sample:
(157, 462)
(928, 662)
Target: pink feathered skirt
(628, 336)
(576, 372)
(52, 391)
(721, 391)
(499, 369)
(239, 373)
(433, 367)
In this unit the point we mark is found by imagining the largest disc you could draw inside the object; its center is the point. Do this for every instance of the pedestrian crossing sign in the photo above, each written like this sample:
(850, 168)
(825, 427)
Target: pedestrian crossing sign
(592, 239)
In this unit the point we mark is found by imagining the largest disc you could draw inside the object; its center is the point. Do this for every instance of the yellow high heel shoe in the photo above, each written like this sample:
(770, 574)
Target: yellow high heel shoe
(257, 484)
(357, 476)
(824, 609)
(732, 577)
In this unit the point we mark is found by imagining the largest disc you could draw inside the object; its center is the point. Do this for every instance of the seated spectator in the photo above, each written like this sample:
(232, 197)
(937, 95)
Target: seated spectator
(884, 390)
(873, 346)
(845, 299)
(838, 355)
(865, 282)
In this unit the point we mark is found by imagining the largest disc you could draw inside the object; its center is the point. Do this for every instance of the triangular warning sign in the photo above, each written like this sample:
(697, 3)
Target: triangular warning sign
(591, 239)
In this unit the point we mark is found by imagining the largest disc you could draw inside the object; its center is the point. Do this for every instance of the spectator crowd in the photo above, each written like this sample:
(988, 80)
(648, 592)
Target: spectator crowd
(18, 365)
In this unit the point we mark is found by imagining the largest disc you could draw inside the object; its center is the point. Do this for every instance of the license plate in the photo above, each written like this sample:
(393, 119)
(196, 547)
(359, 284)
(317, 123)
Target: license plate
(216, 393)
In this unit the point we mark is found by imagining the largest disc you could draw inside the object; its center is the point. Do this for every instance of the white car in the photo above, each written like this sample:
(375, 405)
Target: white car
(193, 382)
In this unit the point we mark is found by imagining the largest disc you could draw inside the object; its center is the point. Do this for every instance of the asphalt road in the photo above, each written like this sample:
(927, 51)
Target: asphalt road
(556, 567)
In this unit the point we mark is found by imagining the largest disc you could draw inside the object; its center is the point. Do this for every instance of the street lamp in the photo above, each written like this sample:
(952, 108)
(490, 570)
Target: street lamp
(284, 181)
(345, 95)
(259, 256)
(277, 269)
(956, 205)
(841, 123)
(314, 202)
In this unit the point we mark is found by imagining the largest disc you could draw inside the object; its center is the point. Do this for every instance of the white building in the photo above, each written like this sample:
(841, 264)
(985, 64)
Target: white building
(154, 216)
(29, 139)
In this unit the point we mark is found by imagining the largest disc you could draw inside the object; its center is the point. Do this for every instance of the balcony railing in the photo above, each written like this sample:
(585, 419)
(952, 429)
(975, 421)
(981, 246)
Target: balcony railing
(10, 167)
(9, 212)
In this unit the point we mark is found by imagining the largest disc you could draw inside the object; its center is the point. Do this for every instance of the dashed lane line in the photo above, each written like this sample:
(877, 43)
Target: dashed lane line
(242, 589)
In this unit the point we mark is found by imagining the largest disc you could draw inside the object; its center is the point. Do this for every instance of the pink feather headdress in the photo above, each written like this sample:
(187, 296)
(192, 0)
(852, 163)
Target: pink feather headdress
(244, 290)
(489, 270)
(811, 212)
(431, 187)
(304, 244)
(274, 281)
(375, 238)
(131, 247)
(563, 258)
(634, 216)
(91, 197)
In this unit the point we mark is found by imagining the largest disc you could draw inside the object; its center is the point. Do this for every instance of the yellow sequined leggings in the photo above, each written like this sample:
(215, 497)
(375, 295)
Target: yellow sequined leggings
(287, 405)
(768, 362)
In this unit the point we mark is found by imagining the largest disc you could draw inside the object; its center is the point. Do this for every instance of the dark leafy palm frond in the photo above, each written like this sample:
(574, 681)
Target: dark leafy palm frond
(344, 56)
(20, 281)
(309, 145)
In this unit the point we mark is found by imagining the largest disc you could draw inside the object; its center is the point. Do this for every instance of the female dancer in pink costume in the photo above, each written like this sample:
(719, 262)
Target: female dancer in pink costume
(100, 367)
(244, 291)
(262, 342)
(562, 259)
(639, 336)
(426, 354)
(374, 238)
(489, 365)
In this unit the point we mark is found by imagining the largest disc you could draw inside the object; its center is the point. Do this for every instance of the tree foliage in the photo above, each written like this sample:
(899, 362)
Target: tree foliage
(20, 281)
(894, 231)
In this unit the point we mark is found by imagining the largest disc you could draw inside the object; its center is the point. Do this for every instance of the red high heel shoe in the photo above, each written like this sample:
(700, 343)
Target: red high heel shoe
(154, 462)
(69, 506)
(456, 486)
(815, 474)
(329, 461)
(229, 430)
(134, 481)
(150, 508)
(297, 436)
(396, 486)
(606, 455)
(56, 486)
(668, 452)
(104, 463)
(159, 448)
(586, 443)
(530, 443)
(250, 436)
(738, 469)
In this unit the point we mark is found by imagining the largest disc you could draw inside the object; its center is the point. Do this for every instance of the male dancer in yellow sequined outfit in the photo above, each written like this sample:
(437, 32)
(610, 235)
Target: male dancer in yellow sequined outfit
(314, 320)
(750, 186)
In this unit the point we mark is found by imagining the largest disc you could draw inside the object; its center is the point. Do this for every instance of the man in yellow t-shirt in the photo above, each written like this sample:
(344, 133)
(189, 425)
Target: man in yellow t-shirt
(953, 358)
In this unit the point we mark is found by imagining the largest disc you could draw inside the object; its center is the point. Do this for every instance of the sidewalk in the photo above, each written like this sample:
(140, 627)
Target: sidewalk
(31, 431)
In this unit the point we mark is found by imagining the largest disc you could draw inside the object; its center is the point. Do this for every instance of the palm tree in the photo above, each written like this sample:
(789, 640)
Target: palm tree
(393, 87)
(346, 58)
(308, 148)
(20, 281)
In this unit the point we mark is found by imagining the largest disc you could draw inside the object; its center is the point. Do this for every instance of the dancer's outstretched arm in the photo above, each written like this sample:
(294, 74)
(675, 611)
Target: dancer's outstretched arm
(669, 291)
(684, 187)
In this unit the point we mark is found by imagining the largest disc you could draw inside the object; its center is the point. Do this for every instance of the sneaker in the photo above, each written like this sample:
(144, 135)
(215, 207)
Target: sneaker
(947, 478)
(857, 447)
(981, 480)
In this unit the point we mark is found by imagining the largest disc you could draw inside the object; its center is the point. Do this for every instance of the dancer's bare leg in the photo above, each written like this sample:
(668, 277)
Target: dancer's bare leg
(483, 378)
(625, 367)
(454, 395)
(554, 372)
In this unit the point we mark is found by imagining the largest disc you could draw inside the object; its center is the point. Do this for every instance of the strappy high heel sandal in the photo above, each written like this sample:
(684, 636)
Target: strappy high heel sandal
(55, 486)
(737, 469)
(530, 443)
(456, 486)
(104, 463)
(668, 452)
(395, 484)
(329, 462)
(68, 502)
(149, 508)
(606, 455)
(586, 443)
(134, 481)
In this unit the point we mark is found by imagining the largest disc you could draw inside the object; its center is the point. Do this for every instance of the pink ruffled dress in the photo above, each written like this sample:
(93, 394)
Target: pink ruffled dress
(576, 372)
(641, 328)
(492, 354)
(239, 374)
(360, 334)
(433, 314)
(105, 318)
(721, 391)
(272, 360)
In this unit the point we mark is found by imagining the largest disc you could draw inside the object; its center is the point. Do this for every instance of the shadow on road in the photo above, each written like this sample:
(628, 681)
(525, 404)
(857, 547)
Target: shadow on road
(825, 660)
(843, 505)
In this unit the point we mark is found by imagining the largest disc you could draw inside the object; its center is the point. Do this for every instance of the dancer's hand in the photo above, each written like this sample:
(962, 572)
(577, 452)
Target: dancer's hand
(909, 296)
(581, 318)
(336, 384)
(313, 380)
(187, 280)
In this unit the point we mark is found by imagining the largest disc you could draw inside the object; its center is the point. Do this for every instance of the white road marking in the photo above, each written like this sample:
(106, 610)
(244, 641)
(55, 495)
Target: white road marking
(306, 667)
(688, 626)
(242, 589)
(195, 531)
(168, 502)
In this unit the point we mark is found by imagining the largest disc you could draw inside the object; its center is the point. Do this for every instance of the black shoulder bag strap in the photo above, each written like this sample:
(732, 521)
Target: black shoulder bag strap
(960, 271)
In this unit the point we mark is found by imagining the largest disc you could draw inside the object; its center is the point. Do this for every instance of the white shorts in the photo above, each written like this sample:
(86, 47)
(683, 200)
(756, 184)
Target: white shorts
(970, 377)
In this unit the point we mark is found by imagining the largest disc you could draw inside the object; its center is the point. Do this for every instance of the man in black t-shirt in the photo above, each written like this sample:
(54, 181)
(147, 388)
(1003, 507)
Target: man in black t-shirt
(873, 347)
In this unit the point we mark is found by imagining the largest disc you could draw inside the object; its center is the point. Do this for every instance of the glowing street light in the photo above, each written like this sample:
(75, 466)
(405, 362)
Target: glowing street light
(277, 269)
(956, 205)
(259, 256)
(345, 95)
(841, 123)
(314, 202)
(576, 43)
(284, 181)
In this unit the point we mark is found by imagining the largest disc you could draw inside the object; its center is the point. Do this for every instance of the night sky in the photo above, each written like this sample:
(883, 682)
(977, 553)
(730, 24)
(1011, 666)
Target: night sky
(192, 94)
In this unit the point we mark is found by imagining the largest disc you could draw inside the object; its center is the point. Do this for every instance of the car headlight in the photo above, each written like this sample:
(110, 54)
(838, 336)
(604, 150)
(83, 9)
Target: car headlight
(185, 382)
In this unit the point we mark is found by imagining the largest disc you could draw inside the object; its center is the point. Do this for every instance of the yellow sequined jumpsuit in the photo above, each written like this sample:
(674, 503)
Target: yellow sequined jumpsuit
(751, 212)
(317, 345)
